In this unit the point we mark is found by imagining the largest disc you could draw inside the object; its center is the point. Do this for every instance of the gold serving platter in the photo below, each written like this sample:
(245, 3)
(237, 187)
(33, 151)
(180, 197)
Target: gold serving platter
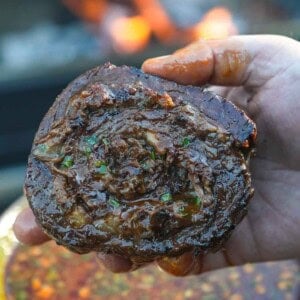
(7, 238)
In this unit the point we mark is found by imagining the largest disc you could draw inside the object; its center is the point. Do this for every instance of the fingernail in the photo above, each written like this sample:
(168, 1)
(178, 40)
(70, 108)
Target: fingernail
(161, 57)
(153, 61)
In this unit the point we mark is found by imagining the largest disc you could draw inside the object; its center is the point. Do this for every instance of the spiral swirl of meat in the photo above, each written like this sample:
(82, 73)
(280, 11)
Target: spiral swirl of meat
(131, 164)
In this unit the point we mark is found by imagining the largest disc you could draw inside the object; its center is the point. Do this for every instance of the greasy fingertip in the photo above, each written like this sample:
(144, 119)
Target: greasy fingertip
(190, 65)
(27, 230)
(115, 263)
(178, 266)
(155, 65)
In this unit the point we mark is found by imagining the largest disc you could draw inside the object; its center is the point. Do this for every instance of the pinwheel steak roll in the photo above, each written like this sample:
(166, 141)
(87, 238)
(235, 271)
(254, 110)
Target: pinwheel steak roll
(132, 164)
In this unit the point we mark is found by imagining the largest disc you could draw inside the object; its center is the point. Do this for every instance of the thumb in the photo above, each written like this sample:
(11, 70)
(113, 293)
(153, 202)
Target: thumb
(249, 60)
(26, 229)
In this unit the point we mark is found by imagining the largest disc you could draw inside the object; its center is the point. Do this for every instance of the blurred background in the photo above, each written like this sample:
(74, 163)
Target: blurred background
(45, 44)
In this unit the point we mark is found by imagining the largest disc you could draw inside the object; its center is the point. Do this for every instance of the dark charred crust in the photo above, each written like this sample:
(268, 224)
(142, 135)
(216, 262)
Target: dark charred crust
(132, 164)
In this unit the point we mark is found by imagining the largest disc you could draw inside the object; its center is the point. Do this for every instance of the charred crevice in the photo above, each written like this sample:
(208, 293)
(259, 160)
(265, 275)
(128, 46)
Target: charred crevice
(80, 202)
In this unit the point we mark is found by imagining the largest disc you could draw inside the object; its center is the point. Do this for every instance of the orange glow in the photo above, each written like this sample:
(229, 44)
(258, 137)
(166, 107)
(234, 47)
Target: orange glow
(159, 21)
(130, 34)
(217, 23)
(89, 10)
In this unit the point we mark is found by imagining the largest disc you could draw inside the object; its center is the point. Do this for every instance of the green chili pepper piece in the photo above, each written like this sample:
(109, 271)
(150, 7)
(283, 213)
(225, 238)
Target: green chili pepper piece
(102, 170)
(153, 155)
(67, 162)
(113, 202)
(185, 142)
(91, 140)
(197, 201)
(166, 197)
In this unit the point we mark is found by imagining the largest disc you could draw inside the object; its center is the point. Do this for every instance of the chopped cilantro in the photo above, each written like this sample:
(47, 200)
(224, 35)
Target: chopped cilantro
(99, 163)
(42, 148)
(185, 142)
(102, 170)
(153, 155)
(91, 140)
(67, 162)
(197, 201)
(113, 202)
(166, 197)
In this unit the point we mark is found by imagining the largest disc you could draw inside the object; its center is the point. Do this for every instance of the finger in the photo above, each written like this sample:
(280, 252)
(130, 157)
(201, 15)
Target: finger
(190, 263)
(240, 249)
(239, 60)
(190, 65)
(115, 263)
(180, 265)
(27, 230)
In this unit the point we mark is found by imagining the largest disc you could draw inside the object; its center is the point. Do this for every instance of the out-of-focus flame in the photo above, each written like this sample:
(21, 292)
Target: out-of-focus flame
(156, 16)
(88, 10)
(216, 23)
(130, 34)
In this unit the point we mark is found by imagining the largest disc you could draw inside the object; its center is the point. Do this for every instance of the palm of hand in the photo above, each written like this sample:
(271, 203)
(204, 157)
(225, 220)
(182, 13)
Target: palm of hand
(271, 226)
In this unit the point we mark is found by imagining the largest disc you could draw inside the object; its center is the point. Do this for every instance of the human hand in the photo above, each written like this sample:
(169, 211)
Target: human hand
(261, 74)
